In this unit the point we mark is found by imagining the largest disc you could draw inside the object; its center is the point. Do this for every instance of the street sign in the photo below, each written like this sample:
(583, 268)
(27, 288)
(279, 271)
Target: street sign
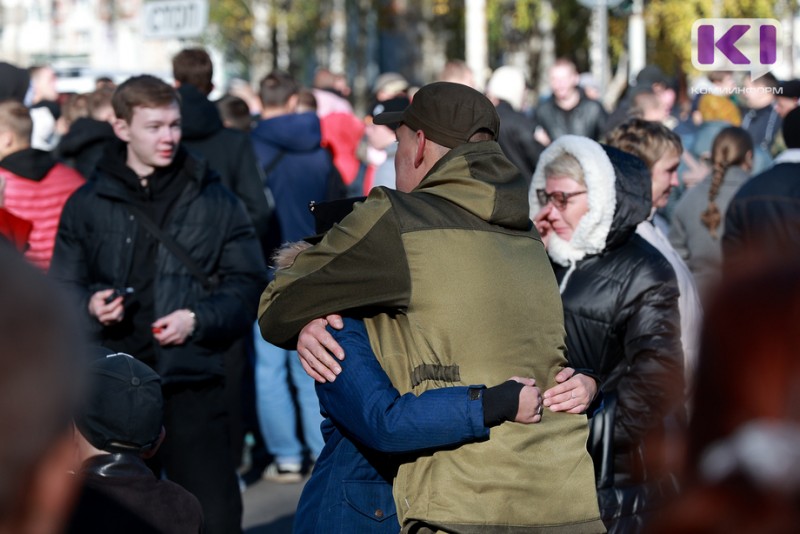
(164, 19)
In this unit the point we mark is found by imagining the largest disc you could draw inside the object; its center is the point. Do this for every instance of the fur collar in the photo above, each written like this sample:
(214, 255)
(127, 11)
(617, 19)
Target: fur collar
(591, 233)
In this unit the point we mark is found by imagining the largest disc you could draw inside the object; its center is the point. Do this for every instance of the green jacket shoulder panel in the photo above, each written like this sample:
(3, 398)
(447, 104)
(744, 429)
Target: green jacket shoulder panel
(354, 267)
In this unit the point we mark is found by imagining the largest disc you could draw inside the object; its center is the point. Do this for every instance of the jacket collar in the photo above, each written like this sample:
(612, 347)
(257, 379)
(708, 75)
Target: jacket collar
(116, 180)
(480, 179)
(29, 163)
(116, 465)
(199, 116)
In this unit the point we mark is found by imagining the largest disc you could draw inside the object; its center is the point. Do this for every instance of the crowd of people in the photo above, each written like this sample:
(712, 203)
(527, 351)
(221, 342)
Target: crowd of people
(475, 315)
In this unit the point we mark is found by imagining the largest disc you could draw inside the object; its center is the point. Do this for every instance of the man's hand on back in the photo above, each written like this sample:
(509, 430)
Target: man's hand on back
(316, 349)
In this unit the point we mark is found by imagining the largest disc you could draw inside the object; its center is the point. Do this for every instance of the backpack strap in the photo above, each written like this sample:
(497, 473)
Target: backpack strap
(269, 167)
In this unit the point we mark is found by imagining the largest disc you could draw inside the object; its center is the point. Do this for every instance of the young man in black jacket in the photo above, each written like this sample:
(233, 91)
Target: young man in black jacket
(166, 264)
(569, 111)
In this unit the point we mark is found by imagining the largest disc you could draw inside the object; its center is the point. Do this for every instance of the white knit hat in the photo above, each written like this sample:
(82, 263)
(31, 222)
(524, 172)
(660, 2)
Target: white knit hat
(508, 83)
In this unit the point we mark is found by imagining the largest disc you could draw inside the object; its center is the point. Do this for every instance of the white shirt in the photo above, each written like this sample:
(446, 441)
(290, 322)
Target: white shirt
(689, 301)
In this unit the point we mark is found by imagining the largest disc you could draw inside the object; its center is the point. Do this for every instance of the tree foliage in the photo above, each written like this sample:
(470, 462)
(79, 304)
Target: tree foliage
(514, 28)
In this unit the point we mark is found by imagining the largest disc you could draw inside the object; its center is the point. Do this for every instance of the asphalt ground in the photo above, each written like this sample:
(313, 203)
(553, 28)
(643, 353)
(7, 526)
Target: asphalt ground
(269, 507)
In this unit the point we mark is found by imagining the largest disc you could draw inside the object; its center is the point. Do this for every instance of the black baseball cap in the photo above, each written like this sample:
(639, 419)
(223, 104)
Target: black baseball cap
(651, 74)
(124, 409)
(447, 113)
(398, 103)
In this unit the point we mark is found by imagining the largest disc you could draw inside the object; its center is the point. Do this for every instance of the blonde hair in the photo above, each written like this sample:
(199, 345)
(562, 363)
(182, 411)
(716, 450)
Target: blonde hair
(647, 140)
(565, 164)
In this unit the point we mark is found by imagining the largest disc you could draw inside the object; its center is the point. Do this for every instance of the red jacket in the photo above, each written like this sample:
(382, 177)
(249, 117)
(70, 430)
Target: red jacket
(36, 189)
(341, 134)
(16, 230)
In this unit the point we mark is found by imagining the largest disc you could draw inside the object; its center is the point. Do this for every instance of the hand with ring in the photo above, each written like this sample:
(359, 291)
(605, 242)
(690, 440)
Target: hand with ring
(573, 394)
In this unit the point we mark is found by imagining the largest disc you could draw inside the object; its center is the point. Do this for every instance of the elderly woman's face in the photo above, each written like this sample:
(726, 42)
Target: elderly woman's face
(569, 203)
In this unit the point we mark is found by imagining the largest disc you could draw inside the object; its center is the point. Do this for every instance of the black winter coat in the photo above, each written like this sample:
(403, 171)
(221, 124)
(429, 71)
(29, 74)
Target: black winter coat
(516, 139)
(121, 495)
(621, 313)
(588, 119)
(763, 219)
(94, 251)
(229, 153)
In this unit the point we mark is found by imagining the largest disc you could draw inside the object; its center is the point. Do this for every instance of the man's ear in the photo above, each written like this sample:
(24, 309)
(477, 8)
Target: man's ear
(291, 104)
(7, 139)
(121, 129)
(420, 154)
(152, 452)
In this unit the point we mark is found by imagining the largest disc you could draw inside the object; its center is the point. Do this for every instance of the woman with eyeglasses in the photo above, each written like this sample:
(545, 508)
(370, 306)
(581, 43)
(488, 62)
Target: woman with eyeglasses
(620, 299)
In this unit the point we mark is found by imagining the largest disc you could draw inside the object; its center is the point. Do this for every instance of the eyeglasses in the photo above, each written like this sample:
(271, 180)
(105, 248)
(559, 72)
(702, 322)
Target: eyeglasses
(559, 199)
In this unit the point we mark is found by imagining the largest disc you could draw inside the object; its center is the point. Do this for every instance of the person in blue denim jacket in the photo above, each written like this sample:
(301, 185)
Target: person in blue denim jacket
(368, 431)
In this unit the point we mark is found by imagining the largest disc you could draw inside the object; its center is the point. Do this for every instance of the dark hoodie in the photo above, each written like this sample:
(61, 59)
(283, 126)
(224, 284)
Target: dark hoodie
(229, 152)
(82, 146)
(200, 118)
(30, 163)
(301, 175)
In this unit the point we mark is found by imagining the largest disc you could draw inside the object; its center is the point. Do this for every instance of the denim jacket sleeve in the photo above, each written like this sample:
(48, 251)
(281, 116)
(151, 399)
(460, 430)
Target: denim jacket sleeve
(365, 406)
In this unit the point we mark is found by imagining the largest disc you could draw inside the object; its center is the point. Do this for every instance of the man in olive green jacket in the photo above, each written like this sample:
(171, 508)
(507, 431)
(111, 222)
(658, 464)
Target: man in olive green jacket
(456, 289)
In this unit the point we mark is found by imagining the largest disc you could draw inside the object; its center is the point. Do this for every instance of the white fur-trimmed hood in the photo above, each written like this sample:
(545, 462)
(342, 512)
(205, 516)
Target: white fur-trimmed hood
(592, 231)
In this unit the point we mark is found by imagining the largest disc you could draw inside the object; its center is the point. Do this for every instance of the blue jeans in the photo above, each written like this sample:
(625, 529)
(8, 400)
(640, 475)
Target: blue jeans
(276, 408)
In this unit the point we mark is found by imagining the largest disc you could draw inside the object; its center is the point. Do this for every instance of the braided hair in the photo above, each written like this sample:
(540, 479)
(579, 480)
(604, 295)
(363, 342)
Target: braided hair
(730, 147)
(647, 140)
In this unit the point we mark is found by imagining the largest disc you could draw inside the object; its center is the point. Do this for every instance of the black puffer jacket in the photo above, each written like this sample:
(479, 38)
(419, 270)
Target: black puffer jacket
(620, 295)
(94, 251)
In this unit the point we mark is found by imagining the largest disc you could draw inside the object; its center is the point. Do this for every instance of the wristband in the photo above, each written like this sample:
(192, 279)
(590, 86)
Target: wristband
(501, 403)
